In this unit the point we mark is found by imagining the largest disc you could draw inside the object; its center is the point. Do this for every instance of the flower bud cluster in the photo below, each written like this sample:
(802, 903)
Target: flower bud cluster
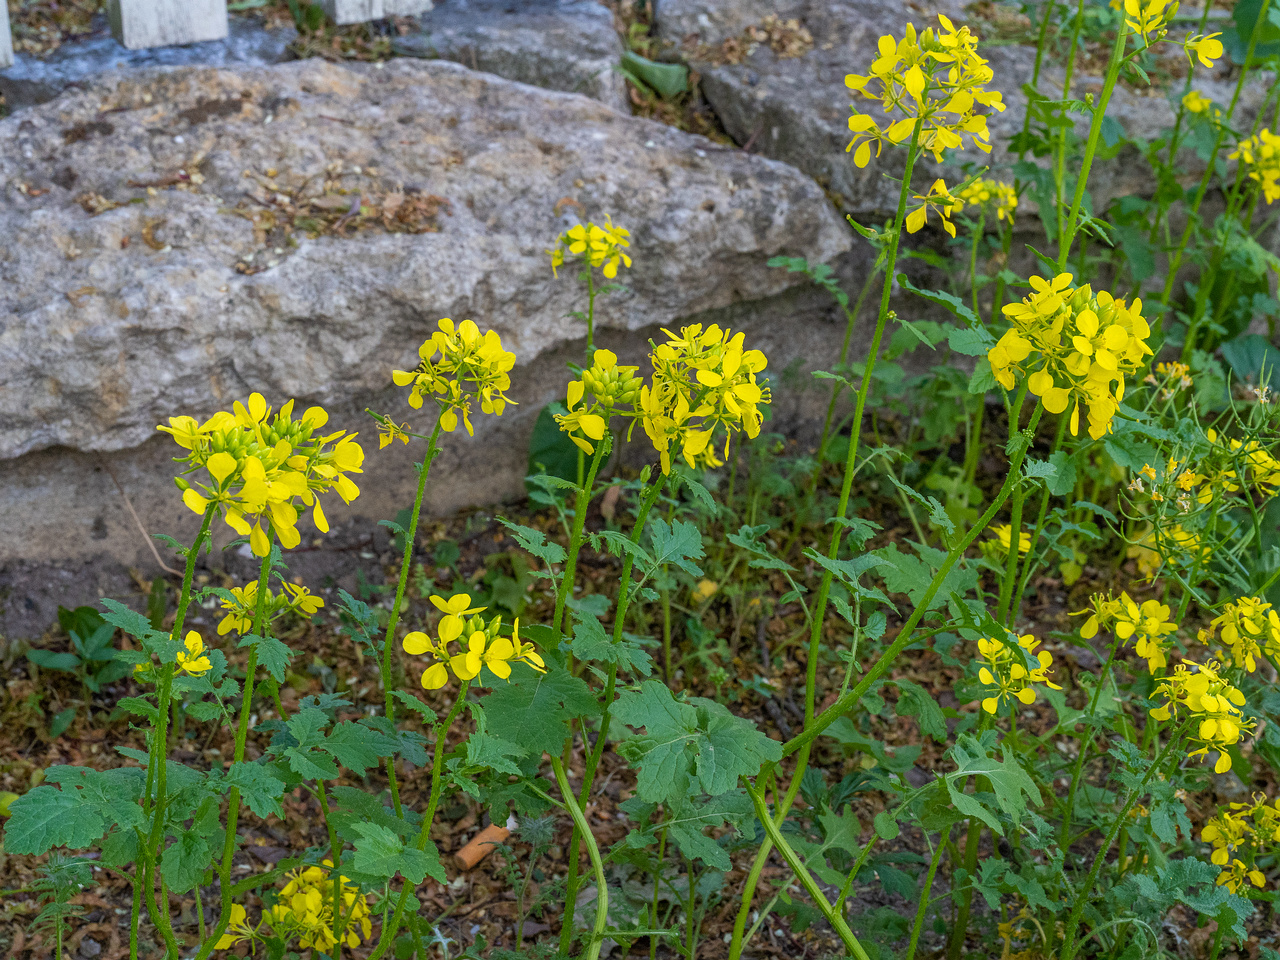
(260, 468)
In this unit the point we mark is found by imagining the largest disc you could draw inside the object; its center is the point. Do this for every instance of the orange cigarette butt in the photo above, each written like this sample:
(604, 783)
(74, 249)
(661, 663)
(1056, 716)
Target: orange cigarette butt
(480, 846)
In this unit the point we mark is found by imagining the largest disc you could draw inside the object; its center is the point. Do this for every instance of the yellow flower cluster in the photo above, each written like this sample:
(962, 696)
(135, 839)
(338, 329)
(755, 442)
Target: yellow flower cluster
(457, 366)
(991, 196)
(1250, 628)
(595, 246)
(243, 603)
(260, 467)
(1147, 17)
(305, 910)
(192, 660)
(703, 381)
(1262, 469)
(481, 645)
(1148, 625)
(1238, 835)
(934, 78)
(1074, 347)
(238, 929)
(1211, 702)
(1260, 157)
(1004, 671)
(1002, 537)
(1197, 102)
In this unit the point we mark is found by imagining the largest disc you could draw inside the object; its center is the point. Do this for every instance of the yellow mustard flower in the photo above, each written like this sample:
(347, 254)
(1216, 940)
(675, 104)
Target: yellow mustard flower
(304, 910)
(193, 660)
(242, 604)
(1147, 17)
(1002, 538)
(992, 196)
(1004, 671)
(483, 645)
(595, 245)
(457, 366)
(704, 591)
(932, 78)
(261, 467)
(1196, 102)
(1239, 833)
(1206, 48)
(1259, 157)
(238, 929)
(938, 199)
(1250, 628)
(1074, 347)
(389, 432)
(1211, 702)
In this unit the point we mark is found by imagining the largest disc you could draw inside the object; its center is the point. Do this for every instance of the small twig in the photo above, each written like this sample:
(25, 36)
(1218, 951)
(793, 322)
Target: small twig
(133, 513)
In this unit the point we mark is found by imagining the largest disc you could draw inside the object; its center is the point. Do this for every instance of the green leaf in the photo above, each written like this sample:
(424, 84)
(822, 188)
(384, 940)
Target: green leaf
(885, 825)
(551, 452)
(493, 753)
(77, 814)
(1011, 784)
(535, 542)
(261, 789)
(130, 621)
(668, 80)
(971, 341)
(590, 642)
(184, 862)
(913, 576)
(679, 543)
(273, 654)
(1063, 480)
(946, 300)
(698, 739)
(688, 818)
(424, 712)
(49, 660)
(534, 710)
(915, 701)
(380, 853)
(937, 512)
(357, 747)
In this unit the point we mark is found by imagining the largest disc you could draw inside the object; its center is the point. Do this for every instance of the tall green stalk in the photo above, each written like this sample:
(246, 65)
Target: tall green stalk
(406, 561)
(833, 550)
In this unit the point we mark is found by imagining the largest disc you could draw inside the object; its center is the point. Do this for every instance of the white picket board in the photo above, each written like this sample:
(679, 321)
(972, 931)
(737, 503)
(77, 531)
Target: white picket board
(6, 41)
(139, 24)
(361, 11)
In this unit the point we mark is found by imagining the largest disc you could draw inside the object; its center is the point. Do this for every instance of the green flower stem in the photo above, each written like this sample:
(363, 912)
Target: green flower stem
(650, 497)
(1085, 744)
(156, 795)
(242, 735)
(135, 913)
(1072, 226)
(390, 929)
(1175, 261)
(918, 926)
(1060, 145)
(806, 879)
(833, 551)
(591, 311)
(575, 542)
(335, 854)
(1030, 566)
(846, 703)
(973, 261)
(597, 865)
(405, 562)
(970, 863)
(1015, 517)
(1068, 950)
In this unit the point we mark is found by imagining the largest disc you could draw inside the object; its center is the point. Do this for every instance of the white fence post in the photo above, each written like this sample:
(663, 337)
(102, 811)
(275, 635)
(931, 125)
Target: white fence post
(6, 41)
(162, 23)
(360, 11)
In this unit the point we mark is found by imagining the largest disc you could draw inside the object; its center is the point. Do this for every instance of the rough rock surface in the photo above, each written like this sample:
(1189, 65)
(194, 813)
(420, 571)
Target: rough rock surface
(33, 80)
(796, 108)
(110, 323)
(566, 45)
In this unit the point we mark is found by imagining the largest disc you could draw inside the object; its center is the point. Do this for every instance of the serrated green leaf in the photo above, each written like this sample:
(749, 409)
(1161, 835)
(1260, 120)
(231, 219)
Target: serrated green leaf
(273, 655)
(535, 542)
(493, 753)
(534, 710)
(184, 861)
(971, 341)
(915, 701)
(380, 853)
(943, 299)
(427, 715)
(590, 642)
(260, 788)
(357, 747)
(678, 543)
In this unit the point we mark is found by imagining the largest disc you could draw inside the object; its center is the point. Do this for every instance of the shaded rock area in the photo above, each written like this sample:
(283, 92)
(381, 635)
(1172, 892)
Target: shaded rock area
(568, 45)
(79, 62)
(175, 242)
(782, 90)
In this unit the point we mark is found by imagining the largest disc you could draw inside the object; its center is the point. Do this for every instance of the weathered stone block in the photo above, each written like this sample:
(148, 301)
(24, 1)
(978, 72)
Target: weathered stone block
(162, 23)
(144, 275)
(360, 11)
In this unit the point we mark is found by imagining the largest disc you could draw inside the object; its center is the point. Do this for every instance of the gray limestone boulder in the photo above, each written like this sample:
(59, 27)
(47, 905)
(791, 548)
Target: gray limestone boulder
(78, 62)
(178, 238)
(568, 45)
(785, 94)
